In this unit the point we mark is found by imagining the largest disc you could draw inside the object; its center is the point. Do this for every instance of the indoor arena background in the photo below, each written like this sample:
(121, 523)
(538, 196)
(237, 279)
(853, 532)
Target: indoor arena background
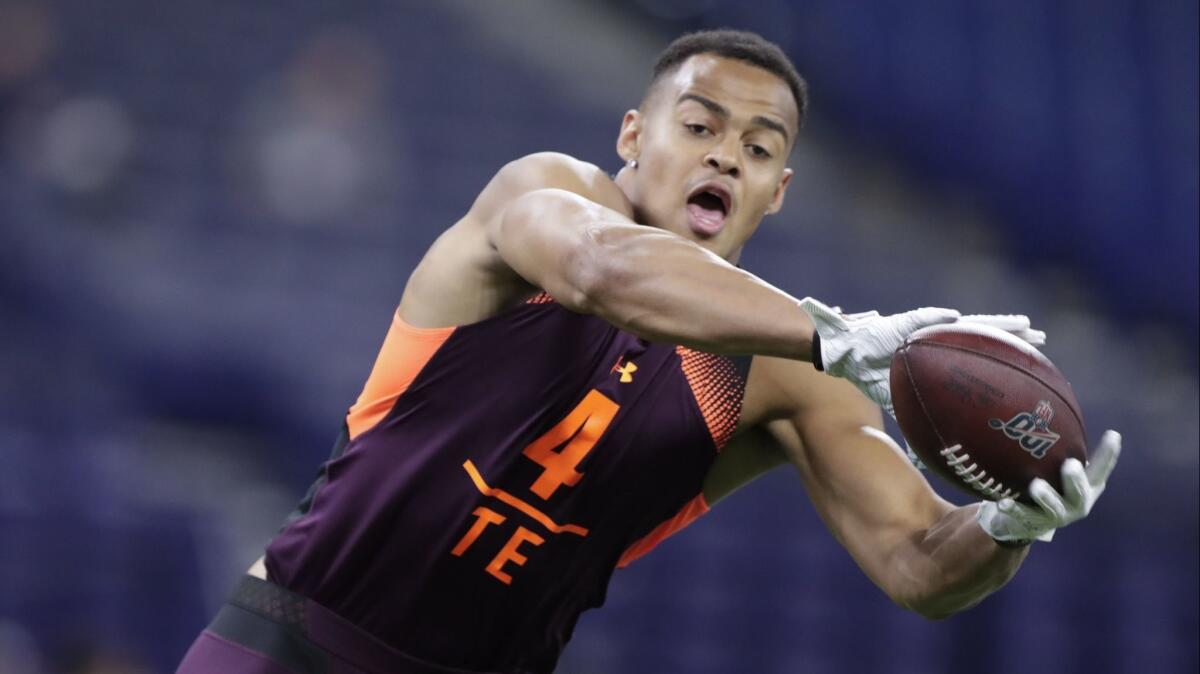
(208, 211)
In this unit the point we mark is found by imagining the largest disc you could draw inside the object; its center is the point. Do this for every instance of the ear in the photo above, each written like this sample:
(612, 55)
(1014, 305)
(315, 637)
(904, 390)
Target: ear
(780, 191)
(630, 138)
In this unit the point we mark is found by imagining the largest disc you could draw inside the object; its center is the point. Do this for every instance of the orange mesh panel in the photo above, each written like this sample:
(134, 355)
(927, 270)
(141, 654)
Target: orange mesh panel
(718, 389)
(688, 514)
(405, 352)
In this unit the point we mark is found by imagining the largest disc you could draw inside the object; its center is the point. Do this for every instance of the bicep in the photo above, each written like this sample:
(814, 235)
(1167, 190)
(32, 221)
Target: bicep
(550, 238)
(541, 215)
(465, 276)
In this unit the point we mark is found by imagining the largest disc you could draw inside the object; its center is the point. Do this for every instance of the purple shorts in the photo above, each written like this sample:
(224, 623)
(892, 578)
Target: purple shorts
(266, 629)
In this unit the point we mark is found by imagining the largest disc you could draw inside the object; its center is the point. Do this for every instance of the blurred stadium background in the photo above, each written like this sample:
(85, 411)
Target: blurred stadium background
(208, 211)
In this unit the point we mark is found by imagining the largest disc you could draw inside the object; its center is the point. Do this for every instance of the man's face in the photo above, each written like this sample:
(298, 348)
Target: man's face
(711, 142)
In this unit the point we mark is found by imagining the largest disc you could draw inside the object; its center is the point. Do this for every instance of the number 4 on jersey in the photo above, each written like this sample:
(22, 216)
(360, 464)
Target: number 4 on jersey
(583, 428)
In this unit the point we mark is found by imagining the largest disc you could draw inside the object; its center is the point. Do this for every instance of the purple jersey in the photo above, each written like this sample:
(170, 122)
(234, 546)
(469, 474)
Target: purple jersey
(492, 476)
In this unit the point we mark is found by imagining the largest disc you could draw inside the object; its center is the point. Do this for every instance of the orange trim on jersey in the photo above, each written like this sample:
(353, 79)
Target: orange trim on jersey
(686, 515)
(718, 390)
(505, 497)
(405, 352)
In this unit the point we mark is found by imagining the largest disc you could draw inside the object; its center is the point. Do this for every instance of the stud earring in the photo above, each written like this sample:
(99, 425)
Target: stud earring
(632, 163)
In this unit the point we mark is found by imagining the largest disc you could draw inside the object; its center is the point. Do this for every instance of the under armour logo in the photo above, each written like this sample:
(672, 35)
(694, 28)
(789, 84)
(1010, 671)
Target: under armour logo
(626, 370)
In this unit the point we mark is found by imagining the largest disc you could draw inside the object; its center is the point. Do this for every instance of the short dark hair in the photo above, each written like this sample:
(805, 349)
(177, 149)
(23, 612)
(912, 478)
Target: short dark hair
(741, 45)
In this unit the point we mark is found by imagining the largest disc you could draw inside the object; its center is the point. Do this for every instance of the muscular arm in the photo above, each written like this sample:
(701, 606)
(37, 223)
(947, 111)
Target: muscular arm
(550, 222)
(647, 281)
(926, 554)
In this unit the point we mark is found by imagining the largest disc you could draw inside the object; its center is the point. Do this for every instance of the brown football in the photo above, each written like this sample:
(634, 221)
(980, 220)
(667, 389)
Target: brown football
(985, 410)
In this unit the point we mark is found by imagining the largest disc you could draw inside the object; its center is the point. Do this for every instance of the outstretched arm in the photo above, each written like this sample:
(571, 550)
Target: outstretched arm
(926, 554)
(647, 281)
(553, 223)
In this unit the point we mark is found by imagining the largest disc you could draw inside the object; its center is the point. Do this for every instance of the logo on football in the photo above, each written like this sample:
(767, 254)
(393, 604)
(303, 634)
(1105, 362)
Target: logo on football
(1031, 430)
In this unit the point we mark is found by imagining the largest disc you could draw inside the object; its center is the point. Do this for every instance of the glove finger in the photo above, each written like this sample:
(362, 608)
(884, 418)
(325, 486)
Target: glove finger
(1034, 337)
(1045, 496)
(1016, 324)
(919, 318)
(1030, 518)
(1104, 458)
(1006, 322)
(1077, 491)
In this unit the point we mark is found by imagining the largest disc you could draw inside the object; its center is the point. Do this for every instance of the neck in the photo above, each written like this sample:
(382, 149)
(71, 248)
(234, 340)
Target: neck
(624, 180)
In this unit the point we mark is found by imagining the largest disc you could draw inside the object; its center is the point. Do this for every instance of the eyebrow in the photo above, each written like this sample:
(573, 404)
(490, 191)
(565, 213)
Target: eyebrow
(723, 112)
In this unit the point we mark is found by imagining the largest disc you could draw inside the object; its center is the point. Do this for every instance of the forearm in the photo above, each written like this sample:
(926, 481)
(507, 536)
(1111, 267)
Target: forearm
(953, 565)
(650, 282)
(664, 288)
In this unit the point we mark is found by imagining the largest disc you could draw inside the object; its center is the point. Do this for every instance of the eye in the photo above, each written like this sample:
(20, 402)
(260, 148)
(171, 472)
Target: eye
(697, 129)
(758, 151)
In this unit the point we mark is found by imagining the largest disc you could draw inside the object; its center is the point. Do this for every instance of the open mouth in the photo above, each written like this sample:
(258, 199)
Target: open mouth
(707, 207)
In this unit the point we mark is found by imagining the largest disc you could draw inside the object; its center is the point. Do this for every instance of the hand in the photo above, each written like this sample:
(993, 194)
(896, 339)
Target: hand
(859, 347)
(1014, 324)
(1008, 520)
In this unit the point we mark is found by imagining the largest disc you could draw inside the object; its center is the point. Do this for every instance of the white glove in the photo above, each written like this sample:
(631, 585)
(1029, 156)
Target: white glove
(859, 347)
(1015, 324)
(1008, 520)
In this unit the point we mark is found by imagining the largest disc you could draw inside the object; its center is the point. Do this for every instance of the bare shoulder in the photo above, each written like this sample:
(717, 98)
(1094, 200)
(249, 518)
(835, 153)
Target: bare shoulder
(461, 278)
(547, 170)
